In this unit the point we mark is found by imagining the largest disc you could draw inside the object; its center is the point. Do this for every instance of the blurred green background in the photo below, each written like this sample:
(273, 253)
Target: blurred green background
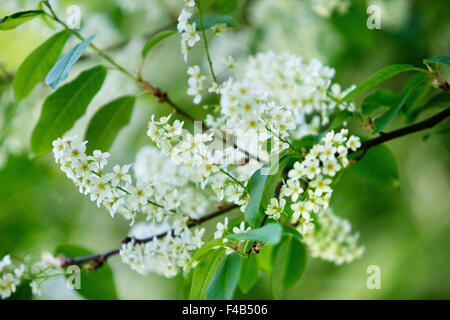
(405, 228)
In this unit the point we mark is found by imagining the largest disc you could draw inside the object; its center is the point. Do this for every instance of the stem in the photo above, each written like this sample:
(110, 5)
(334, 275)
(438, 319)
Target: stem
(100, 258)
(205, 41)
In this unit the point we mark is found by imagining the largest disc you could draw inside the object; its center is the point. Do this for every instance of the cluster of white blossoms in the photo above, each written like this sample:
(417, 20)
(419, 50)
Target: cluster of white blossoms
(207, 164)
(308, 185)
(188, 30)
(305, 89)
(326, 7)
(195, 83)
(19, 271)
(332, 239)
(166, 253)
(115, 190)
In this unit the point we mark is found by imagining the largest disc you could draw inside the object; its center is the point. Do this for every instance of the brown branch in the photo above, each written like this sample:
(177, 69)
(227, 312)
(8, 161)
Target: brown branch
(100, 258)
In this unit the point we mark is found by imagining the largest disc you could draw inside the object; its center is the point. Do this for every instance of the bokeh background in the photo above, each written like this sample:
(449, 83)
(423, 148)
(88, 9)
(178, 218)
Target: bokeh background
(405, 228)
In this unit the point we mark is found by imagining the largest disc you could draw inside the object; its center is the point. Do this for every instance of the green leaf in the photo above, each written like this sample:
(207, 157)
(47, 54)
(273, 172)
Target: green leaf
(262, 187)
(264, 258)
(107, 122)
(306, 142)
(381, 122)
(378, 77)
(155, 40)
(211, 21)
(249, 273)
(225, 281)
(95, 284)
(378, 166)
(439, 59)
(16, 19)
(379, 99)
(438, 101)
(270, 233)
(60, 70)
(38, 64)
(61, 109)
(340, 118)
(289, 260)
(204, 272)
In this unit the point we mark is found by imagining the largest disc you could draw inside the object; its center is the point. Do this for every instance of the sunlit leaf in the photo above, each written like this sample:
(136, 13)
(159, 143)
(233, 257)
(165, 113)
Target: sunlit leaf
(60, 70)
(155, 40)
(378, 77)
(16, 19)
(107, 122)
(204, 272)
(225, 281)
(270, 233)
(38, 64)
(64, 107)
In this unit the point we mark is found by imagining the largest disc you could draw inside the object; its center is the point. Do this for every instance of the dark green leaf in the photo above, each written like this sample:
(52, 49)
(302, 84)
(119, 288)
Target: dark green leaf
(155, 40)
(204, 272)
(262, 187)
(289, 260)
(378, 99)
(381, 122)
(340, 118)
(60, 70)
(249, 273)
(107, 122)
(211, 21)
(38, 64)
(95, 284)
(378, 77)
(62, 109)
(378, 166)
(440, 100)
(16, 19)
(270, 233)
(439, 59)
(225, 281)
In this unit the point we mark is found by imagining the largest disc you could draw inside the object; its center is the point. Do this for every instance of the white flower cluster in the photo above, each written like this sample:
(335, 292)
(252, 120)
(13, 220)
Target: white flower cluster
(195, 83)
(114, 190)
(14, 272)
(308, 184)
(332, 239)
(206, 164)
(189, 34)
(305, 89)
(166, 254)
(154, 166)
(326, 7)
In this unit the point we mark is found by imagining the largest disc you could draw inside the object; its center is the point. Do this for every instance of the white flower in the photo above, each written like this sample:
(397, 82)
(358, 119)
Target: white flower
(300, 209)
(292, 189)
(183, 20)
(190, 35)
(321, 185)
(353, 143)
(5, 262)
(7, 285)
(230, 63)
(222, 228)
(50, 260)
(312, 168)
(189, 3)
(275, 208)
(219, 29)
(330, 167)
(241, 228)
(297, 172)
(35, 288)
(99, 158)
(120, 176)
